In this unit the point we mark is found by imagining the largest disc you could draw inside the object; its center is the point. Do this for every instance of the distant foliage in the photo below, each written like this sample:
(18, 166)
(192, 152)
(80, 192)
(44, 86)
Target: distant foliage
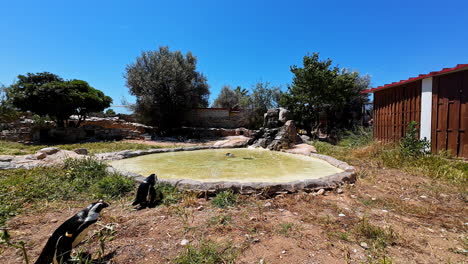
(166, 84)
(110, 112)
(411, 145)
(47, 94)
(227, 98)
(261, 98)
(8, 113)
(325, 96)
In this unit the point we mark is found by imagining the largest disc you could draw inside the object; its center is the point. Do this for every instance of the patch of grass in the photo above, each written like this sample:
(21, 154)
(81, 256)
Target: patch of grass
(225, 199)
(170, 193)
(79, 179)
(378, 237)
(361, 137)
(208, 252)
(14, 148)
(113, 186)
(390, 156)
(285, 228)
(220, 220)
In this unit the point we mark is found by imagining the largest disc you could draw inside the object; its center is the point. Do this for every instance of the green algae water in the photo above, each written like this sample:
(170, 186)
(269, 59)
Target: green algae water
(245, 165)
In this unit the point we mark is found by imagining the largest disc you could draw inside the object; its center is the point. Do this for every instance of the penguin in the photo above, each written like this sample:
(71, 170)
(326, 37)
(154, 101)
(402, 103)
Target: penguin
(147, 191)
(69, 234)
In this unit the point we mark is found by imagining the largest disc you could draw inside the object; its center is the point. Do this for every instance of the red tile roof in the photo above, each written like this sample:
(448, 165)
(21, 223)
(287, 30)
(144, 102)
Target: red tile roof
(412, 79)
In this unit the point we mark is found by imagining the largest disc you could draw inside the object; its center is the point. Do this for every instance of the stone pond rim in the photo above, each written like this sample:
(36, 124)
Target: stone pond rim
(348, 175)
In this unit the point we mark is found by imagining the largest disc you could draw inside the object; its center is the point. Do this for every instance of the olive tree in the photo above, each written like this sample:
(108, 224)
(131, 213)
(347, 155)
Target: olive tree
(165, 84)
(47, 94)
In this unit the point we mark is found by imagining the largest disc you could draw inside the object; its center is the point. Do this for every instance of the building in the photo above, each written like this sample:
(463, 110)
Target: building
(438, 101)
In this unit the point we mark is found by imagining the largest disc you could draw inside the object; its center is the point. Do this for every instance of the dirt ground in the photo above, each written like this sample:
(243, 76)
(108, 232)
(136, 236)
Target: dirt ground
(428, 219)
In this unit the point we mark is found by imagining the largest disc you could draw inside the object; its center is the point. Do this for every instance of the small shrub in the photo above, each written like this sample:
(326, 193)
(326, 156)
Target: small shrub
(411, 145)
(113, 186)
(220, 220)
(170, 193)
(208, 253)
(380, 238)
(225, 199)
(285, 228)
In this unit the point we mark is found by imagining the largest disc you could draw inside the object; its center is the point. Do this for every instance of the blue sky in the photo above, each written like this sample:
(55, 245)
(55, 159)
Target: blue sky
(236, 42)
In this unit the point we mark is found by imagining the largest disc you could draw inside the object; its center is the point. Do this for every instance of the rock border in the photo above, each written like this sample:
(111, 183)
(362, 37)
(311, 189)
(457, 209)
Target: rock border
(328, 182)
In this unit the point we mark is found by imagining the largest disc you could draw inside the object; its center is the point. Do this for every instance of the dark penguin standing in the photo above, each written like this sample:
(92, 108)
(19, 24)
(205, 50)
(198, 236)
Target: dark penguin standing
(69, 234)
(146, 195)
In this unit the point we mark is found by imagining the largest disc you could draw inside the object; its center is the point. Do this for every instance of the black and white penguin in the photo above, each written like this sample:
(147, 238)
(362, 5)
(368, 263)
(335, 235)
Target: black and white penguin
(147, 195)
(69, 234)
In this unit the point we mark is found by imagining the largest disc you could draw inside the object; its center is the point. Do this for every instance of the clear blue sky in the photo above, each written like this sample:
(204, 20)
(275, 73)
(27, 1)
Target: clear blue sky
(236, 42)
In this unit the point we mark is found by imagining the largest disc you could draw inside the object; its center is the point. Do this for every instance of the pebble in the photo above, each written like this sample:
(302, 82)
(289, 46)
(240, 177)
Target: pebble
(184, 242)
(339, 190)
(423, 196)
(353, 196)
(283, 252)
(385, 211)
(268, 204)
(261, 261)
(364, 245)
(54, 220)
(341, 215)
(199, 208)
(373, 198)
(320, 192)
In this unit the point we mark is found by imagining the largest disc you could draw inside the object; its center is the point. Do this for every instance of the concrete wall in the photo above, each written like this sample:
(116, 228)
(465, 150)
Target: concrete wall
(214, 117)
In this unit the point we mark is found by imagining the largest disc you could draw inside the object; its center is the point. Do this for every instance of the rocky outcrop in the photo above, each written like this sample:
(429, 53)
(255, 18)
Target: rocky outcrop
(277, 132)
(44, 157)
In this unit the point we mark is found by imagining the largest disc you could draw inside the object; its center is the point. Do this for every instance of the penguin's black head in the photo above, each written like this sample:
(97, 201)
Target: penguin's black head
(151, 179)
(98, 206)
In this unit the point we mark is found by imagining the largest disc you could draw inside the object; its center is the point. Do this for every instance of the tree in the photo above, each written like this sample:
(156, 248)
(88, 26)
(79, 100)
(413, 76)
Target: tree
(320, 89)
(47, 94)
(166, 84)
(227, 98)
(110, 112)
(261, 98)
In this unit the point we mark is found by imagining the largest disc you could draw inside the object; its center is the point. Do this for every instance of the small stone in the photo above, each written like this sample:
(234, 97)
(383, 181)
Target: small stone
(341, 215)
(6, 158)
(268, 204)
(281, 209)
(364, 245)
(283, 252)
(184, 242)
(81, 151)
(423, 196)
(353, 196)
(320, 192)
(385, 211)
(40, 155)
(373, 198)
(199, 208)
(261, 261)
(53, 220)
(49, 151)
(339, 190)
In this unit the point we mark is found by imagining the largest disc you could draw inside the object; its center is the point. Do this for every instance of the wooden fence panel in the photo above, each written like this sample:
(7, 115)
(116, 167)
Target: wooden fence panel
(394, 109)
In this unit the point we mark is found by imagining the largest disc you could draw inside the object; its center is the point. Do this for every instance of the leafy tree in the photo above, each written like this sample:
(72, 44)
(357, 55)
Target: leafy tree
(320, 89)
(261, 98)
(47, 94)
(7, 112)
(166, 84)
(227, 98)
(110, 112)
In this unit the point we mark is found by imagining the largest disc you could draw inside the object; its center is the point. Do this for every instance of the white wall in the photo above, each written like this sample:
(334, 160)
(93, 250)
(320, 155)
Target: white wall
(426, 108)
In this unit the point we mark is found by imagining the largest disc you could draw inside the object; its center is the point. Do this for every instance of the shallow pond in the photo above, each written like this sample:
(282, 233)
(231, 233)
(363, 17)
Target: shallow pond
(243, 165)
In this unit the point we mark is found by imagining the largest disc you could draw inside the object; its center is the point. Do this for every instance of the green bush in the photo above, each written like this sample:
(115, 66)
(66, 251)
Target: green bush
(208, 253)
(225, 199)
(411, 145)
(113, 186)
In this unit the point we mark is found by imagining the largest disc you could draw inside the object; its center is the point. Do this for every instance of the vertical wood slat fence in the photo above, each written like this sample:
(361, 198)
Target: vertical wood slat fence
(450, 113)
(394, 109)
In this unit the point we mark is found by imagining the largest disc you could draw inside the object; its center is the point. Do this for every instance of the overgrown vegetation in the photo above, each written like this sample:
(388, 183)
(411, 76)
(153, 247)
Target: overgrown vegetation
(76, 179)
(208, 252)
(379, 238)
(225, 199)
(411, 155)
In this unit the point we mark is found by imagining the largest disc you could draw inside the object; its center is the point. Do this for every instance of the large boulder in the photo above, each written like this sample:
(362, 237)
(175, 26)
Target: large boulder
(283, 115)
(270, 118)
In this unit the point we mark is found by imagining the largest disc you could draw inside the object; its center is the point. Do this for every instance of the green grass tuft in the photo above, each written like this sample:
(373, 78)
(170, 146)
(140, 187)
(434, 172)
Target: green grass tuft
(225, 199)
(208, 252)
